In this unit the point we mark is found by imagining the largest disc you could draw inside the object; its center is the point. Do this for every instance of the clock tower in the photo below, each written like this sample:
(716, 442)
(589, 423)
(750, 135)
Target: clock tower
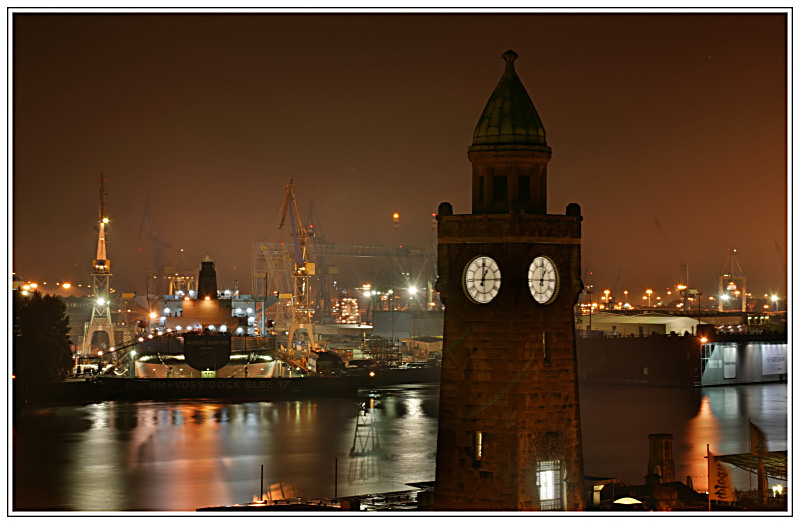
(509, 277)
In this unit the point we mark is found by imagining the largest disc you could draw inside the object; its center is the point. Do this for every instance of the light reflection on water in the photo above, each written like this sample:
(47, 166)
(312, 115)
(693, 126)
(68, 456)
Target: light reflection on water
(180, 456)
(617, 420)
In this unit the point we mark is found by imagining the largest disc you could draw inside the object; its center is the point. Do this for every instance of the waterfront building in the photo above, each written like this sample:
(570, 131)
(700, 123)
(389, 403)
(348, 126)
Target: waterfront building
(509, 277)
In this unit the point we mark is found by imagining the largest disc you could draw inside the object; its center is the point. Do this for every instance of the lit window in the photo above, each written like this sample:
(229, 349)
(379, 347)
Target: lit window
(478, 445)
(548, 480)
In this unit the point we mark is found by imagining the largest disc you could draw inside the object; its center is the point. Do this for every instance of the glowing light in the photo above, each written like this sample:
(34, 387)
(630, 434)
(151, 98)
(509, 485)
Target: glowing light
(627, 500)
(153, 315)
(412, 290)
(105, 220)
(101, 301)
(207, 298)
(66, 285)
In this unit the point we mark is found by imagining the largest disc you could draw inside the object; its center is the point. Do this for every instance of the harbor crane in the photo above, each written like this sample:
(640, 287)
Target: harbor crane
(101, 284)
(303, 271)
(157, 246)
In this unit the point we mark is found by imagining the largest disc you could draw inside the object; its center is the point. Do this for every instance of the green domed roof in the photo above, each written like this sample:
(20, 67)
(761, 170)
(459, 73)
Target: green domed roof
(509, 120)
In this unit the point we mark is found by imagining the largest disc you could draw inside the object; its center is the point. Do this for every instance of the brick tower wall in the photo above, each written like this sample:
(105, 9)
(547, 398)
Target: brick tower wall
(509, 367)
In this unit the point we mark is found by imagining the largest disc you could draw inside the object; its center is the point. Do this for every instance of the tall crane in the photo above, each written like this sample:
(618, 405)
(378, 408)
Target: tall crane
(320, 247)
(101, 284)
(733, 281)
(157, 244)
(303, 270)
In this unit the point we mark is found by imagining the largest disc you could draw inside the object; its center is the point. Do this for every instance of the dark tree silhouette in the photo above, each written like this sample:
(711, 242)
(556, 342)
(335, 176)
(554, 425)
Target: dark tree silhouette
(41, 344)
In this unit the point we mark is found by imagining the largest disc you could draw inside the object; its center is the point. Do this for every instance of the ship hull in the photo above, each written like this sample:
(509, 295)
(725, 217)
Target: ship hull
(242, 389)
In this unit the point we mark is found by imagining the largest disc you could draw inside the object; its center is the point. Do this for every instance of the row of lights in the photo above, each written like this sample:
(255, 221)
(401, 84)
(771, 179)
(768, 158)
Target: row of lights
(681, 287)
(368, 291)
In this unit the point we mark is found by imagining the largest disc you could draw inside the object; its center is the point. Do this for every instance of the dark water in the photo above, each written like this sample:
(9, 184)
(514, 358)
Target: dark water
(161, 456)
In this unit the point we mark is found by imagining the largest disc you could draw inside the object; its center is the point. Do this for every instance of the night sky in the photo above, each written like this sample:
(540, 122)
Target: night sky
(670, 131)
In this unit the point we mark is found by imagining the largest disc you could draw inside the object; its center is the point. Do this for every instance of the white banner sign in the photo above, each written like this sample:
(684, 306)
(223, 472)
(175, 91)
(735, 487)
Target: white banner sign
(773, 359)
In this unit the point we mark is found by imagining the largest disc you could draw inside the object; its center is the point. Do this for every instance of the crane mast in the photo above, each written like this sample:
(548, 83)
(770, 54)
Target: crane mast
(101, 284)
(303, 270)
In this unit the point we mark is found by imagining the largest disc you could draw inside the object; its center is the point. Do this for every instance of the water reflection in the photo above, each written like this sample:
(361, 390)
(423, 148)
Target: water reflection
(184, 455)
(617, 420)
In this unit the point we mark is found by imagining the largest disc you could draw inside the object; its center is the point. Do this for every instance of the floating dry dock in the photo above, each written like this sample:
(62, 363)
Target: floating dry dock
(416, 499)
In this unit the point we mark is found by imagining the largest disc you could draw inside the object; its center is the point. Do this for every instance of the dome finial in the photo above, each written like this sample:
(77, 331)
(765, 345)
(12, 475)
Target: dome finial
(509, 56)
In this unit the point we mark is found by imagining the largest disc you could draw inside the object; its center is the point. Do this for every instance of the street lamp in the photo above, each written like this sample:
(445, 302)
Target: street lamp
(649, 292)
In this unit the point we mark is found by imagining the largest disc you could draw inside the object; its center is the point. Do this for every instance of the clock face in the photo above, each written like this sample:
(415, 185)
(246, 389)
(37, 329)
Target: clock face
(543, 280)
(481, 279)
